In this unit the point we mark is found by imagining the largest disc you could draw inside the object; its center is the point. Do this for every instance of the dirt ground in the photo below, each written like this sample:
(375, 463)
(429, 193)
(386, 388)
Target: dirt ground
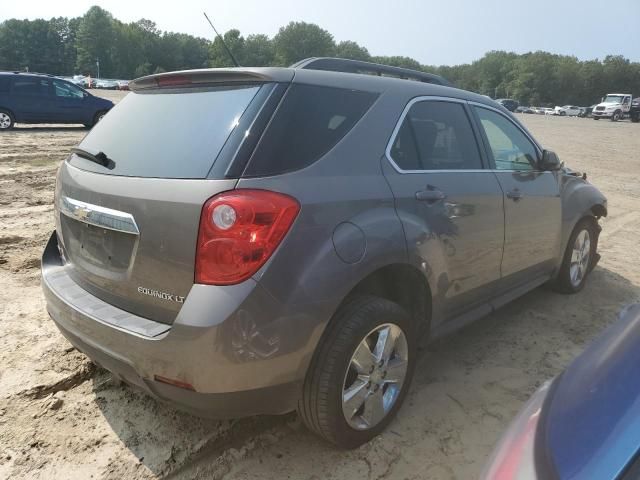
(62, 418)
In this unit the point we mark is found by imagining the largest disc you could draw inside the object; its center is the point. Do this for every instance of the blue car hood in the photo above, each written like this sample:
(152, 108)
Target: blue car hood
(591, 421)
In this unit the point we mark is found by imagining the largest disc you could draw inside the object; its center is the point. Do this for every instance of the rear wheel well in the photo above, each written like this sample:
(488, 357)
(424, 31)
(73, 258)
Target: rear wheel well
(9, 111)
(401, 284)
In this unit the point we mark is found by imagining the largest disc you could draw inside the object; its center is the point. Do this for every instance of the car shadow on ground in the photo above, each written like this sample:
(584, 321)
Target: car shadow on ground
(486, 370)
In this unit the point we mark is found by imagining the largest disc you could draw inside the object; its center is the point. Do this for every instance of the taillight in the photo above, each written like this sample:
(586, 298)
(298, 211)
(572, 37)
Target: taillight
(239, 230)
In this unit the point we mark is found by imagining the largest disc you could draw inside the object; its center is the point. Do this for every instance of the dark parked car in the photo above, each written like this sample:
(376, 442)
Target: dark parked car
(634, 112)
(508, 103)
(37, 98)
(586, 422)
(524, 110)
(291, 247)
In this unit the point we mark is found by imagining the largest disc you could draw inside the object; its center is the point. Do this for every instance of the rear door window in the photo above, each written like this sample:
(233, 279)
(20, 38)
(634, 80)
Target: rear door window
(31, 86)
(436, 135)
(310, 121)
(167, 133)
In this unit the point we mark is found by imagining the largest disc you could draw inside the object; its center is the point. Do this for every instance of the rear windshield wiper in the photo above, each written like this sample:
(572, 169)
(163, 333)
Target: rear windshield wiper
(100, 157)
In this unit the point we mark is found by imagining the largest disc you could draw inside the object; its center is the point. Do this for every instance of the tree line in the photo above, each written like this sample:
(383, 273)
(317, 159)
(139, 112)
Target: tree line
(66, 46)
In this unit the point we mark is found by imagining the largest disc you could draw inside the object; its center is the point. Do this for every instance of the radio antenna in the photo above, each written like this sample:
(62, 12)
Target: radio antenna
(233, 59)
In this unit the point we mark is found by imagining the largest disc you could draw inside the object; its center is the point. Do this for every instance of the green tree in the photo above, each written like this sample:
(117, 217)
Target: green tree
(218, 55)
(353, 51)
(398, 61)
(300, 40)
(95, 41)
(258, 51)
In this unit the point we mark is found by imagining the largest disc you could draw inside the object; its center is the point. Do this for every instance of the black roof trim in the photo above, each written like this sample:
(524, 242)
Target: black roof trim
(358, 66)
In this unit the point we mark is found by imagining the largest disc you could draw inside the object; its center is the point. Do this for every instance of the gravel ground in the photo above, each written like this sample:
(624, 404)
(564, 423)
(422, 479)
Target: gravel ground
(61, 417)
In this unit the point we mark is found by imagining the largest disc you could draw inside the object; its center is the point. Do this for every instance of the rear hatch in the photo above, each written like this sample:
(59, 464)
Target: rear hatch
(128, 225)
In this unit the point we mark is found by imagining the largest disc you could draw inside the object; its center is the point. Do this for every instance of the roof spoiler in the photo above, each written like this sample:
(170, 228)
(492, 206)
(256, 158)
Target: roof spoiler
(211, 76)
(358, 66)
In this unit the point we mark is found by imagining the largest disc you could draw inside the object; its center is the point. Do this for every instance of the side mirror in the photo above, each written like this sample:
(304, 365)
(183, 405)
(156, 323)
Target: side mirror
(550, 161)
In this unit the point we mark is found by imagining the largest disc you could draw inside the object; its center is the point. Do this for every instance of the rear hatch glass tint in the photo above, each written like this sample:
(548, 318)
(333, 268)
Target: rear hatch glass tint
(162, 133)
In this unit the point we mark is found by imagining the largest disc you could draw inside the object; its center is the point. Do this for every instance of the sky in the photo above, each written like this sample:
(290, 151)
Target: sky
(434, 32)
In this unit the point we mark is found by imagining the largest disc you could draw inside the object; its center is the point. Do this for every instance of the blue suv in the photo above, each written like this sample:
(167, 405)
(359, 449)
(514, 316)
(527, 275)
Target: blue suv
(38, 98)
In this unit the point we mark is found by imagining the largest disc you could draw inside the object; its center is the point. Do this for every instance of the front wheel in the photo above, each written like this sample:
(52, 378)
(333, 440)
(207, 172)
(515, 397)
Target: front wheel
(617, 115)
(596, 118)
(579, 257)
(361, 372)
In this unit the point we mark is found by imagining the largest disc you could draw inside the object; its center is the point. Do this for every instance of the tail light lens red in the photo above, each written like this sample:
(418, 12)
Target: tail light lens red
(239, 230)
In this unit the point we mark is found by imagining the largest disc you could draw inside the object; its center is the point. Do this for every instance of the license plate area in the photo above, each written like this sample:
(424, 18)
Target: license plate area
(98, 250)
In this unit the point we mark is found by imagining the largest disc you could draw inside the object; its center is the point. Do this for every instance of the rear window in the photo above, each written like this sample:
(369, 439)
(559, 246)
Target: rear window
(167, 134)
(308, 123)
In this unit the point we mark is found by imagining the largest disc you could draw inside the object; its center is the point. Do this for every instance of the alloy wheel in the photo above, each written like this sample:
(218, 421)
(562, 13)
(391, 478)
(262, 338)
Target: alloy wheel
(5, 121)
(580, 258)
(374, 377)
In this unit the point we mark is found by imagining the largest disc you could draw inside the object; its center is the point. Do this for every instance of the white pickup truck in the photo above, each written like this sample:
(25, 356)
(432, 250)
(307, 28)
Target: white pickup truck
(614, 106)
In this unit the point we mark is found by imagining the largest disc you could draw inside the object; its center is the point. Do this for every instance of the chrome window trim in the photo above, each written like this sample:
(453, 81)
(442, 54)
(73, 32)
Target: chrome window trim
(98, 216)
(394, 134)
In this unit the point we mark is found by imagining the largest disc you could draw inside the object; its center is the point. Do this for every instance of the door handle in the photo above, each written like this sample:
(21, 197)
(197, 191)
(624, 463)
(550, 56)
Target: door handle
(431, 194)
(514, 194)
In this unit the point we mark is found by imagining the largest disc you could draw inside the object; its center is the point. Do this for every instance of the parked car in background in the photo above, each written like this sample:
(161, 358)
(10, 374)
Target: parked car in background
(107, 84)
(615, 106)
(634, 112)
(37, 98)
(524, 110)
(549, 111)
(123, 84)
(172, 263)
(585, 424)
(586, 111)
(84, 81)
(508, 103)
(568, 111)
(538, 110)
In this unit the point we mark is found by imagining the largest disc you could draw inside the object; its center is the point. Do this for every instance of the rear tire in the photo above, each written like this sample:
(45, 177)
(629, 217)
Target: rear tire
(635, 118)
(349, 401)
(579, 256)
(596, 118)
(6, 120)
(96, 118)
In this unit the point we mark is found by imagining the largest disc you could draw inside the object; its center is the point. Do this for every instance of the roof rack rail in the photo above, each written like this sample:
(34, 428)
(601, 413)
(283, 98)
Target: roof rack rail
(28, 73)
(357, 66)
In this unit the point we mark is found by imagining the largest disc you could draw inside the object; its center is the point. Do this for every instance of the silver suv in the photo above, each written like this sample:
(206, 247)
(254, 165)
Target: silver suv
(258, 240)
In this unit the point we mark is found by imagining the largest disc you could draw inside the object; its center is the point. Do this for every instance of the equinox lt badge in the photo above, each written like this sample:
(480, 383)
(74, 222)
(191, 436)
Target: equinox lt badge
(164, 296)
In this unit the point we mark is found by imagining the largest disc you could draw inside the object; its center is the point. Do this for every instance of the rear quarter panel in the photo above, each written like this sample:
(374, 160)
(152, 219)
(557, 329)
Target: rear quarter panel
(345, 187)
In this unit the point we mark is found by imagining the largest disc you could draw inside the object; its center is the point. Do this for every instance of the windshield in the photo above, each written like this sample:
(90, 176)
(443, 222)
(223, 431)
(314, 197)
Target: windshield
(613, 99)
(166, 134)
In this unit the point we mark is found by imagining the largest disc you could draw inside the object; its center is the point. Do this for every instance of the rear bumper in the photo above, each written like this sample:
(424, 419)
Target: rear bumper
(238, 348)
